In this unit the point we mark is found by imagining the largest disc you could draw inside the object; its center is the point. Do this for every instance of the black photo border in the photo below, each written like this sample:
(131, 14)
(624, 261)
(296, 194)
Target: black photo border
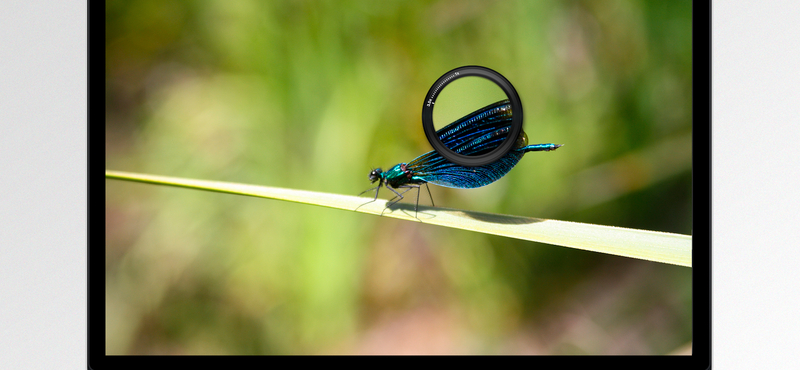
(701, 205)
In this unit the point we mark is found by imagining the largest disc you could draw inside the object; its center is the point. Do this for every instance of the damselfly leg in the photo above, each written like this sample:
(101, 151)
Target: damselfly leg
(377, 189)
(400, 195)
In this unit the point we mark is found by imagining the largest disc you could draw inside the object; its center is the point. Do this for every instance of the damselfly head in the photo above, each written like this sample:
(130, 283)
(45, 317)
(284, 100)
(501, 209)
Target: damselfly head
(375, 174)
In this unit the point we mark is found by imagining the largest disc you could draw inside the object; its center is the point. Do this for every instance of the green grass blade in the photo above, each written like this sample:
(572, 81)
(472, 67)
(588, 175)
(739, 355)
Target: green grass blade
(643, 244)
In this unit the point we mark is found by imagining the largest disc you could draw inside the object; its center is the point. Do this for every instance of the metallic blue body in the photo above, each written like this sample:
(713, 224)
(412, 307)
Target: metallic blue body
(477, 133)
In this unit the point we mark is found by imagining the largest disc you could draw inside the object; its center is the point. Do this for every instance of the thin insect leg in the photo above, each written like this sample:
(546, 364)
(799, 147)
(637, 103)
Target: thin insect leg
(403, 186)
(377, 189)
(389, 204)
(392, 203)
(370, 189)
(429, 194)
(408, 187)
(416, 206)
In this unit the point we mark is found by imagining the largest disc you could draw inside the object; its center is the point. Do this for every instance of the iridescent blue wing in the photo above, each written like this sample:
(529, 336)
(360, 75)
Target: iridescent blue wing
(477, 133)
(461, 135)
(433, 168)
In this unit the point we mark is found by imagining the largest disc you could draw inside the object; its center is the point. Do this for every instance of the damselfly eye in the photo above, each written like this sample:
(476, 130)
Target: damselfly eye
(375, 174)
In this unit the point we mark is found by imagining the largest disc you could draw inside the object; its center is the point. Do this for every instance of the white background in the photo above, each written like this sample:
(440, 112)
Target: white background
(755, 164)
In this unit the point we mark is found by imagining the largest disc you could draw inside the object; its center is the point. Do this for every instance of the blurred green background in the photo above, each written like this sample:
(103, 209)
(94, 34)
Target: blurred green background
(311, 95)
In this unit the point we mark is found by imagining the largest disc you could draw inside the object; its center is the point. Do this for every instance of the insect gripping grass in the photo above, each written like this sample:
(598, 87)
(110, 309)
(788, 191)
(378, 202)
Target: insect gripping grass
(477, 133)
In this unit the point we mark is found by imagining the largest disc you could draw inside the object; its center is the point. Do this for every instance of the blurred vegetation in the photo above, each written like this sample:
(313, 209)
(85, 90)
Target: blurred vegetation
(313, 94)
